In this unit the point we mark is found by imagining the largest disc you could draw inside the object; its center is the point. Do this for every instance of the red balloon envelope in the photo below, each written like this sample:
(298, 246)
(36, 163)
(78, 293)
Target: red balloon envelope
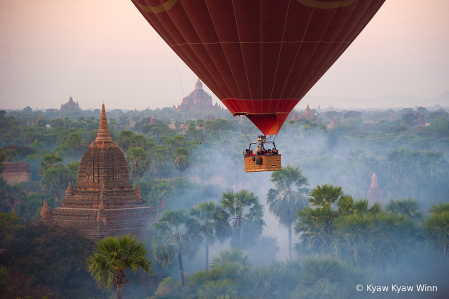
(259, 57)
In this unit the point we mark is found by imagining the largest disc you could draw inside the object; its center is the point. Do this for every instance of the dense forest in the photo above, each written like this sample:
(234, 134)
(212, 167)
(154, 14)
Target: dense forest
(307, 231)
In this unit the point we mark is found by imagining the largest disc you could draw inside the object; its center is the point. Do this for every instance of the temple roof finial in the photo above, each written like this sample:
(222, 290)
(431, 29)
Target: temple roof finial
(103, 135)
(137, 190)
(45, 213)
(69, 190)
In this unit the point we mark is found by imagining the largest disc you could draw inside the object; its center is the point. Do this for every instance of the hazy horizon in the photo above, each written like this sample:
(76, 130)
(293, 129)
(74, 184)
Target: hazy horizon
(105, 51)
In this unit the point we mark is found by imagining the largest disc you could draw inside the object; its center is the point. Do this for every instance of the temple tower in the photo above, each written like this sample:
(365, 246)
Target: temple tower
(374, 193)
(103, 202)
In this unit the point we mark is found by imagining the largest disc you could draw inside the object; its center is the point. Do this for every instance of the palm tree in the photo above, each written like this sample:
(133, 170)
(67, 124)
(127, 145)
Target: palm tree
(284, 201)
(234, 260)
(179, 234)
(407, 207)
(138, 162)
(325, 195)
(316, 223)
(206, 214)
(437, 226)
(181, 159)
(160, 156)
(372, 239)
(112, 256)
(243, 214)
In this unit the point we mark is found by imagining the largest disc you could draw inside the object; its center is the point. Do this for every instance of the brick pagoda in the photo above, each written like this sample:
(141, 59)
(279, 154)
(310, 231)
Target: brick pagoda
(374, 193)
(103, 203)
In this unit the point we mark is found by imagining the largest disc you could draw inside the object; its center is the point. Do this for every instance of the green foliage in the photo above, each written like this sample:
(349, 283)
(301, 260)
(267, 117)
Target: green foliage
(244, 217)
(437, 227)
(160, 159)
(31, 205)
(220, 289)
(210, 225)
(41, 123)
(74, 140)
(325, 195)
(27, 250)
(181, 159)
(326, 277)
(138, 162)
(168, 289)
(3, 159)
(10, 195)
(113, 256)
(407, 207)
(56, 178)
(176, 233)
(49, 161)
(372, 239)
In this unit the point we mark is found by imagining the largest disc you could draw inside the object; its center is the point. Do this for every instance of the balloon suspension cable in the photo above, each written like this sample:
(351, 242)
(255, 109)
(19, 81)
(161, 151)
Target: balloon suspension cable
(246, 135)
(202, 120)
(180, 82)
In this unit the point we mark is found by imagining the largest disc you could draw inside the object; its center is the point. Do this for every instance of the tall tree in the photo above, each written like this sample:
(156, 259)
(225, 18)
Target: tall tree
(206, 214)
(54, 179)
(407, 207)
(437, 227)
(316, 222)
(74, 140)
(286, 200)
(177, 234)
(243, 214)
(181, 159)
(160, 157)
(125, 140)
(138, 162)
(113, 256)
(49, 161)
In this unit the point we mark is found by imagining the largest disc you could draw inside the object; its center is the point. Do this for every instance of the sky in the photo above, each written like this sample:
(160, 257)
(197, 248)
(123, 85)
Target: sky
(104, 51)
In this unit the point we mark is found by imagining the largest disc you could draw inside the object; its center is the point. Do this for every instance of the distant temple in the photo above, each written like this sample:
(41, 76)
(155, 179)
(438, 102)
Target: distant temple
(15, 173)
(392, 116)
(307, 114)
(374, 193)
(103, 202)
(419, 121)
(332, 124)
(198, 99)
(70, 106)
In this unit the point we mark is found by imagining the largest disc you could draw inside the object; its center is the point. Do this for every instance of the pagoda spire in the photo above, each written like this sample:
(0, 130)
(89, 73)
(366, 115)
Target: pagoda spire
(374, 193)
(69, 190)
(103, 135)
(45, 212)
(137, 190)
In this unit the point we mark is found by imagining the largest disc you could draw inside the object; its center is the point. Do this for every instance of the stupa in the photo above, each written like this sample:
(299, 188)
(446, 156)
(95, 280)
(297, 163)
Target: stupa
(307, 114)
(374, 193)
(103, 203)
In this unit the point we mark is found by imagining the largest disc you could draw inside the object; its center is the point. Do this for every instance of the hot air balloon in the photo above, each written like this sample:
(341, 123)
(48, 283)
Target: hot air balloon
(259, 57)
